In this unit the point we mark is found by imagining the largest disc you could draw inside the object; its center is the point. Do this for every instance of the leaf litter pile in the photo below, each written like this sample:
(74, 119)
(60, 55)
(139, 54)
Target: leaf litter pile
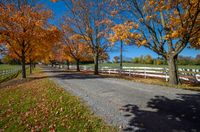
(40, 105)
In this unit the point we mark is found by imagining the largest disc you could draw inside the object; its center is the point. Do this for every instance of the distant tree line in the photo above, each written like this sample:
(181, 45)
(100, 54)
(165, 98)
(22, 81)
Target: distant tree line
(148, 59)
(187, 60)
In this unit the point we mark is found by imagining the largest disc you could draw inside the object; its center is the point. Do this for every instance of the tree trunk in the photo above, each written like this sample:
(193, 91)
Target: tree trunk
(77, 65)
(173, 73)
(96, 63)
(30, 67)
(67, 65)
(121, 56)
(23, 65)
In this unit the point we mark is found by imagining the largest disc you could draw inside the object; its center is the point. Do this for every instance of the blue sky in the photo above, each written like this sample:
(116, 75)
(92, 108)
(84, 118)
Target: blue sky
(134, 51)
(129, 51)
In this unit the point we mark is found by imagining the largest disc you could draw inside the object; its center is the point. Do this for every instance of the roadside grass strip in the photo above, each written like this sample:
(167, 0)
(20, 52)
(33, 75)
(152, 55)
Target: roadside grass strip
(40, 105)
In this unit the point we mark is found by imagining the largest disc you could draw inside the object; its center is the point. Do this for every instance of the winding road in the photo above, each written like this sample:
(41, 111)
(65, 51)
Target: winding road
(133, 106)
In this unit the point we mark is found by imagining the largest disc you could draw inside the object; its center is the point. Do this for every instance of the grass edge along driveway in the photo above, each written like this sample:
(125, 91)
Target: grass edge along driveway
(40, 105)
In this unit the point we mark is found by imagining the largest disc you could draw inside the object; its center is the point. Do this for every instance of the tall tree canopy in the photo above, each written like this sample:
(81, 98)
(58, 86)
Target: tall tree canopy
(164, 26)
(88, 20)
(24, 30)
(75, 46)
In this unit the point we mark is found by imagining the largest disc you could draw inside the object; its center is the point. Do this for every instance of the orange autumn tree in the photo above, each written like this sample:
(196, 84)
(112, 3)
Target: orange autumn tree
(65, 56)
(122, 33)
(55, 53)
(61, 56)
(75, 47)
(164, 26)
(89, 19)
(21, 26)
(42, 46)
(51, 58)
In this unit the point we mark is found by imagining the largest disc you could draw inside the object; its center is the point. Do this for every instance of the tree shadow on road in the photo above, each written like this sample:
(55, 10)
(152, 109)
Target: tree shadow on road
(166, 115)
(59, 74)
(63, 74)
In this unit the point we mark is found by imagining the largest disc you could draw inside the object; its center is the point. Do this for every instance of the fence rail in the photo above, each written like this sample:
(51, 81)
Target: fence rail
(157, 72)
(8, 73)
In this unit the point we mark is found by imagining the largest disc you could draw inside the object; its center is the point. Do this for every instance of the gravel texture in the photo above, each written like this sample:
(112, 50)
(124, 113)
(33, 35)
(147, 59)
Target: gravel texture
(133, 106)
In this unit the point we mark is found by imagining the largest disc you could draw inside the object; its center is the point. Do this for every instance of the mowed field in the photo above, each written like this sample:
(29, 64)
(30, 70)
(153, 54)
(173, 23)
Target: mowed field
(6, 67)
(116, 65)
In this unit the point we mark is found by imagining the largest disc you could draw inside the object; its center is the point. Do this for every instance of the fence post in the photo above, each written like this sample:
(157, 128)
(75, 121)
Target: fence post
(145, 76)
(197, 77)
(129, 72)
(166, 78)
(188, 70)
(101, 69)
(4, 72)
(193, 72)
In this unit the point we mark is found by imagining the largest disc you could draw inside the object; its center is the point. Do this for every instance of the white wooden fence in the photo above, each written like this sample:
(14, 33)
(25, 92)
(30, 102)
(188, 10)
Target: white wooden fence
(4, 74)
(157, 72)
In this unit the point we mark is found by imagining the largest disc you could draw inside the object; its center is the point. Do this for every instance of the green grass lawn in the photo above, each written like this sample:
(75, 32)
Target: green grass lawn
(141, 65)
(38, 104)
(6, 67)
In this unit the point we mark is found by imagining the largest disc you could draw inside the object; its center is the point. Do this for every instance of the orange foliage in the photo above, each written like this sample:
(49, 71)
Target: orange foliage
(74, 46)
(181, 18)
(26, 32)
(162, 21)
(122, 32)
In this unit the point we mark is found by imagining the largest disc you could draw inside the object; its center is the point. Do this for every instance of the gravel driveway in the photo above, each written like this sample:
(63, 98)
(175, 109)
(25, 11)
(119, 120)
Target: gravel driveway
(134, 106)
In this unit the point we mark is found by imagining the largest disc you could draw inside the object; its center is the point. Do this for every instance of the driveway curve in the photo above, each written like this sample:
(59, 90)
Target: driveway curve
(133, 106)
